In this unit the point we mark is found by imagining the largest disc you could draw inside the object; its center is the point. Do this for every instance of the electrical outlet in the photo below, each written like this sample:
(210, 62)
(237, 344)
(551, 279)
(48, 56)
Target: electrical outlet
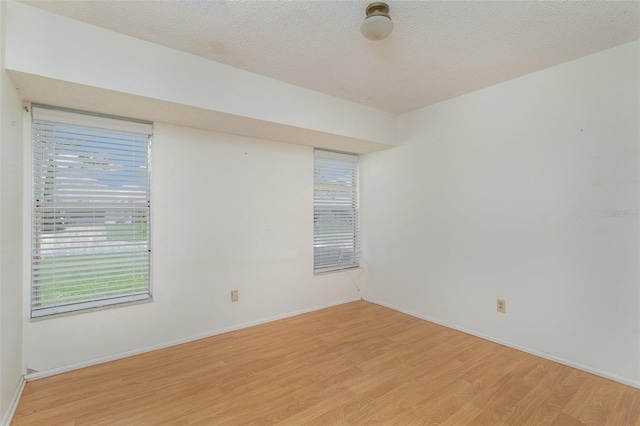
(502, 306)
(234, 295)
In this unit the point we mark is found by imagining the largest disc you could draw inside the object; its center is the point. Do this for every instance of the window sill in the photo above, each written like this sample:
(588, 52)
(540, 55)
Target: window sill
(87, 310)
(332, 271)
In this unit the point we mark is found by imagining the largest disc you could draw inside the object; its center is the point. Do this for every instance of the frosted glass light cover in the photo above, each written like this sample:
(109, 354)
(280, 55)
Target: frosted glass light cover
(376, 27)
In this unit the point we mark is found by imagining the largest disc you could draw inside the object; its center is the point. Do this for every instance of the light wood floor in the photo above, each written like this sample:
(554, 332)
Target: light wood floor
(354, 364)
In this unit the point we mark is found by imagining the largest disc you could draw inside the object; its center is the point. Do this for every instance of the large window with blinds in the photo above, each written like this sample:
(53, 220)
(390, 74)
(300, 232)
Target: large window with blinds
(91, 211)
(336, 235)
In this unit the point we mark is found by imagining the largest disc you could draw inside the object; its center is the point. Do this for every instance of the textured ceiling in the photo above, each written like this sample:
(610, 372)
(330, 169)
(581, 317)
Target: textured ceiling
(438, 49)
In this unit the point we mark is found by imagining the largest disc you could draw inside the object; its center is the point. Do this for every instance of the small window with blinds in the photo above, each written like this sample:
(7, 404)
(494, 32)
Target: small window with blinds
(91, 211)
(336, 239)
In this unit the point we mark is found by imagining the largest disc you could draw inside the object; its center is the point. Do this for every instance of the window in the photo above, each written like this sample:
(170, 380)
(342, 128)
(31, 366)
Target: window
(336, 239)
(91, 211)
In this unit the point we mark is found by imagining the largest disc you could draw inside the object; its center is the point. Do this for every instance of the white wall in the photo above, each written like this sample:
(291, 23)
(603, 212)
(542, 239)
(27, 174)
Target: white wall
(228, 213)
(10, 233)
(59, 49)
(502, 193)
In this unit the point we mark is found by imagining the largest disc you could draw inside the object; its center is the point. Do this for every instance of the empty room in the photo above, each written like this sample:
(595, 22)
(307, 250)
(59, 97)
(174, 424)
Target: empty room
(230, 212)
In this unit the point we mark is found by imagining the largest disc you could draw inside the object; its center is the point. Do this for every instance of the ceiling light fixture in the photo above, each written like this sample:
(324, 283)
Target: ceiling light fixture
(377, 25)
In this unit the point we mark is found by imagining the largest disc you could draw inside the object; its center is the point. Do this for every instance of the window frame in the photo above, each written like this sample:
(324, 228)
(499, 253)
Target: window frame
(327, 266)
(85, 119)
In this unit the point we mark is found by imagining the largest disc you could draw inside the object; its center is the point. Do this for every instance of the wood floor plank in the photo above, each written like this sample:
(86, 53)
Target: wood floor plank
(568, 383)
(447, 401)
(566, 420)
(343, 410)
(353, 364)
(383, 412)
(627, 410)
(595, 402)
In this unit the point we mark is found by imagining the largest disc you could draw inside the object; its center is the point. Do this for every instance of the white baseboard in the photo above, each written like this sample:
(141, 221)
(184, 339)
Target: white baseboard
(8, 416)
(526, 349)
(211, 333)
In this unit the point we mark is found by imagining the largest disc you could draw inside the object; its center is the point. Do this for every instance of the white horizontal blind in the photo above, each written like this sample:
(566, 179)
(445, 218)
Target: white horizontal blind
(336, 238)
(91, 211)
